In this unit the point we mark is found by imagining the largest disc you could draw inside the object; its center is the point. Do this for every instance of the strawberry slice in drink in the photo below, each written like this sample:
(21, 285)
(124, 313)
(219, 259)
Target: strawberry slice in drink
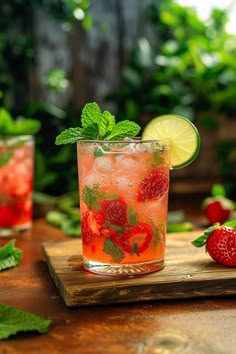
(115, 211)
(154, 185)
(21, 189)
(136, 240)
(8, 216)
(92, 222)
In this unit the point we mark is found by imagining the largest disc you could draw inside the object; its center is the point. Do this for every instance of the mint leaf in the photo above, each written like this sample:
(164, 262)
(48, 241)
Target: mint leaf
(124, 129)
(218, 190)
(157, 160)
(6, 122)
(24, 126)
(114, 251)
(91, 114)
(14, 321)
(106, 124)
(91, 197)
(91, 132)
(21, 126)
(113, 196)
(56, 218)
(117, 228)
(158, 234)
(69, 136)
(134, 249)
(7, 249)
(10, 256)
(132, 217)
(71, 227)
(5, 157)
(97, 125)
(180, 227)
(100, 150)
(72, 135)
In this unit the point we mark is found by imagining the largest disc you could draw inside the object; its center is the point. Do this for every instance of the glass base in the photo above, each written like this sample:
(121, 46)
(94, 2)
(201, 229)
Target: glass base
(123, 269)
(14, 230)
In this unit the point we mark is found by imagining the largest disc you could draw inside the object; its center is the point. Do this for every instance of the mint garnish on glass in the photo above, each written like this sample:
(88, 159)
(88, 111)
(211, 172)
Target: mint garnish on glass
(98, 125)
(20, 126)
(14, 321)
(11, 128)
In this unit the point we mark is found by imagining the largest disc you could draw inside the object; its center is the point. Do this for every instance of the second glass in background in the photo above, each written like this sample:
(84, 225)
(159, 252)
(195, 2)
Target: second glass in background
(16, 183)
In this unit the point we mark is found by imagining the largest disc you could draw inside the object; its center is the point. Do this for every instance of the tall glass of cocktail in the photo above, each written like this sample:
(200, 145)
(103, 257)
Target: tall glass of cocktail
(16, 183)
(123, 186)
(123, 202)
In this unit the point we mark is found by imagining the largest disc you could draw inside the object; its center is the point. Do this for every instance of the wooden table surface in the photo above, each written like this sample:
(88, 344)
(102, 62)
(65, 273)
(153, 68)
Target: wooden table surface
(161, 327)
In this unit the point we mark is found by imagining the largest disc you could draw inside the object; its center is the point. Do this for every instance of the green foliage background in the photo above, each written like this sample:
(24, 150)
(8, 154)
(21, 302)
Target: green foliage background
(189, 67)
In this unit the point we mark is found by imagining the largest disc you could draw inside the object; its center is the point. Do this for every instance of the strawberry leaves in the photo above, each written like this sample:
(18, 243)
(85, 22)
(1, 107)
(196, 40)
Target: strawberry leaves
(201, 241)
(220, 242)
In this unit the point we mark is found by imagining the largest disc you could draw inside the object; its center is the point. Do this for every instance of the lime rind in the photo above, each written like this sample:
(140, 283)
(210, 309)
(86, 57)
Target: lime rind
(182, 133)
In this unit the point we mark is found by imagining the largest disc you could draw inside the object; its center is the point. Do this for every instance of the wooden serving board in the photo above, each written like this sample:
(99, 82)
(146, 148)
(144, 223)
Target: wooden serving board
(189, 273)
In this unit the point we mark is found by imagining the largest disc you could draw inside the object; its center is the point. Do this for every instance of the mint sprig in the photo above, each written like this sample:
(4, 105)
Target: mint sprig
(98, 125)
(20, 126)
(10, 256)
(14, 321)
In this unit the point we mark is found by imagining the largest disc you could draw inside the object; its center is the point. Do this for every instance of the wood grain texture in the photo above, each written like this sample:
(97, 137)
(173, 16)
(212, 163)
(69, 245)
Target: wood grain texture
(189, 273)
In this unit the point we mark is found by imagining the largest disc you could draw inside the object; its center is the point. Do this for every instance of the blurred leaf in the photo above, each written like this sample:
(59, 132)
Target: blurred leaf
(56, 80)
(218, 190)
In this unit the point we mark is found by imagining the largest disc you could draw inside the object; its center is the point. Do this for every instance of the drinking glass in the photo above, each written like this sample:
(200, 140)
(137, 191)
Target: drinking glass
(16, 183)
(123, 189)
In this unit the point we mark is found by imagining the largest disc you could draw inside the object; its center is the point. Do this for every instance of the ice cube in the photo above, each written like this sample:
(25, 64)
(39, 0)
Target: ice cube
(123, 183)
(90, 179)
(103, 165)
(126, 165)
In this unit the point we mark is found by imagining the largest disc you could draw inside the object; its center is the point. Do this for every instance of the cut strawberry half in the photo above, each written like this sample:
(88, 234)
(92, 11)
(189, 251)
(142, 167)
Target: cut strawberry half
(115, 211)
(136, 240)
(92, 223)
(154, 185)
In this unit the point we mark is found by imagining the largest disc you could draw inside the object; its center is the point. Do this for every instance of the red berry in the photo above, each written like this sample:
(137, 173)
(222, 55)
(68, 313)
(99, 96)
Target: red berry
(154, 185)
(135, 240)
(8, 216)
(217, 209)
(115, 211)
(21, 189)
(92, 222)
(221, 246)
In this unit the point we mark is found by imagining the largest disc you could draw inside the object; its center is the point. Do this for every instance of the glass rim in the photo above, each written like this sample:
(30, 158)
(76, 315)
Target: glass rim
(13, 136)
(133, 140)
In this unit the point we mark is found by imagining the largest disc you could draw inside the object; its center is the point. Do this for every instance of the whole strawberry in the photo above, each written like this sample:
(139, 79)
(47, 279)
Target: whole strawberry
(218, 208)
(220, 241)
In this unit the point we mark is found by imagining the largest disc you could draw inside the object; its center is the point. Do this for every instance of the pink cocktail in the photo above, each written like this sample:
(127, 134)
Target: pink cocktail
(123, 202)
(16, 183)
